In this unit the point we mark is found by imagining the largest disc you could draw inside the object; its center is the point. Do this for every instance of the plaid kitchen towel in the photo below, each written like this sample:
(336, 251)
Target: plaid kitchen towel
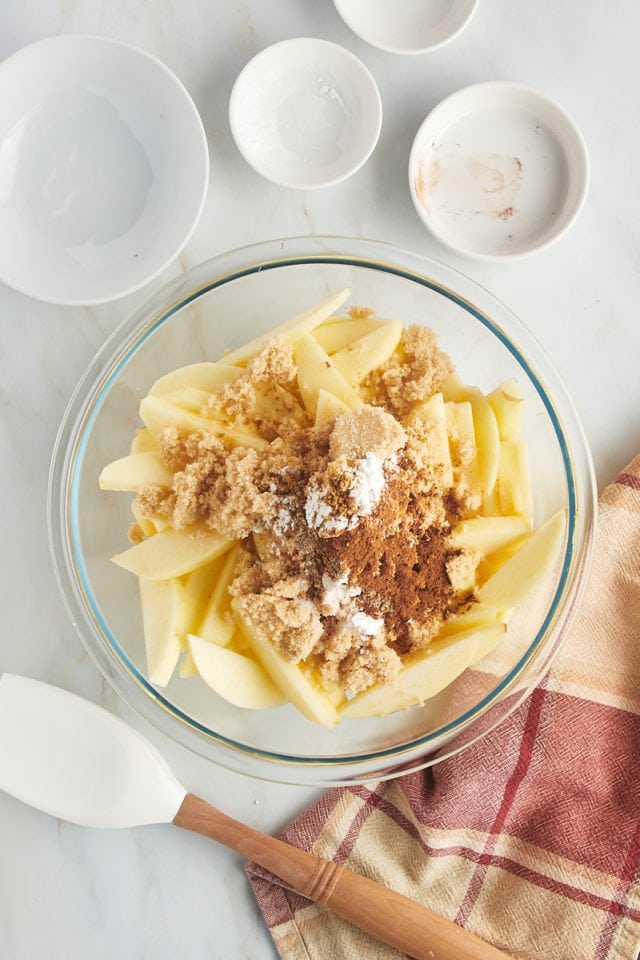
(530, 837)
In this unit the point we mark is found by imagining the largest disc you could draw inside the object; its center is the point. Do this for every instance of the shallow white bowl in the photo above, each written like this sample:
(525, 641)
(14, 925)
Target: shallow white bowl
(406, 26)
(497, 170)
(104, 169)
(305, 113)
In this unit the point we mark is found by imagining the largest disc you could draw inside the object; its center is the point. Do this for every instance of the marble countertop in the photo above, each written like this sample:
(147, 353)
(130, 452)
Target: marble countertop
(67, 892)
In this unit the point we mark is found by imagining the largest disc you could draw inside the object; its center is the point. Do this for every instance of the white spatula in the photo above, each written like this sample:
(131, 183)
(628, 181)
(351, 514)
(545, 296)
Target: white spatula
(74, 760)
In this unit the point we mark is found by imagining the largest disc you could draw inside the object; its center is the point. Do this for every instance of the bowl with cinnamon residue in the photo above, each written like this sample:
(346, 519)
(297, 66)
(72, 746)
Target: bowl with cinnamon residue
(287, 455)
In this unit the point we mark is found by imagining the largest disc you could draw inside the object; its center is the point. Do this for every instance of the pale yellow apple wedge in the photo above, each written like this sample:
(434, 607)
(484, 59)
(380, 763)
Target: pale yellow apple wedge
(488, 534)
(514, 479)
(487, 440)
(237, 678)
(300, 689)
(507, 403)
(202, 376)
(328, 407)
(291, 329)
(368, 353)
(316, 372)
(427, 672)
(462, 443)
(135, 471)
(143, 442)
(162, 620)
(527, 567)
(217, 624)
(158, 413)
(172, 553)
(432, 411)
(336, 333)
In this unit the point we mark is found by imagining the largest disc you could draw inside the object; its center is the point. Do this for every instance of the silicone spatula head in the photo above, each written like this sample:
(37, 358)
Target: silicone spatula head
(75, 760)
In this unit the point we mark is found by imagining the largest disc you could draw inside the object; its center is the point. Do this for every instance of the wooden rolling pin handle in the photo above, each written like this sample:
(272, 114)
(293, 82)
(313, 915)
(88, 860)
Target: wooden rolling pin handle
(389, 916)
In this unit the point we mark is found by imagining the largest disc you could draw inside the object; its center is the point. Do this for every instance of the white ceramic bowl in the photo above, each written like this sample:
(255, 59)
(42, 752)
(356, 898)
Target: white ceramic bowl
(406, 26)
(305, 113)
(497, 171)
(104, 169)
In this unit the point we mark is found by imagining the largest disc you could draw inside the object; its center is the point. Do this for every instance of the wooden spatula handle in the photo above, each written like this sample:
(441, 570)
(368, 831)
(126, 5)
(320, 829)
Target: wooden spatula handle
(385, 914)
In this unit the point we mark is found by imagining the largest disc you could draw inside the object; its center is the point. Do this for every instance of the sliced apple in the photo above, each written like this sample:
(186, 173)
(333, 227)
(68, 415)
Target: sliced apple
(292, 329)
(237, 678)
(158, 413)
(368, 353)
(316, 372)
(199, 586)
(462, 443)
(143, 442)
(162, 620)
(477, 616)
(135, 471)
(339, 332)
(299, 688)
(507, 403)
(218, 623)
(488, 534)
(487, 440)
(432, 411)
(514, 480)
(196, 400)
(202, 376)
(527, 567)
(426, 673)
(329, 407)
(172, 553)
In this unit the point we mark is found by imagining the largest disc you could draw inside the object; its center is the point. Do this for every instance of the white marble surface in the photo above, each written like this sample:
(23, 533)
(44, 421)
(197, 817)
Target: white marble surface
(66, 892)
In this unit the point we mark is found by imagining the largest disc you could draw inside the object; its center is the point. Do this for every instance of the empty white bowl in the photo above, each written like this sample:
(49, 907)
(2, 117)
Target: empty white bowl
(104, 169)
(305, 113)
(406, 26)
(497, 170)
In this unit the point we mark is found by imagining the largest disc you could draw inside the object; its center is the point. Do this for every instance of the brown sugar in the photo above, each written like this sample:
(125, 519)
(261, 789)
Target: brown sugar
(345, 561)
(415, 371)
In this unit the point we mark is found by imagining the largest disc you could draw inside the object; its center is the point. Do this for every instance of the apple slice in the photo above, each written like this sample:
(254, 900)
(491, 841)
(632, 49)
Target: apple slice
(143, 442)
(426, 673)
(487, 440)
(172, 553)
(237, 678)
(507, 403)
(217, 623)
(292, 329)
(158, 413)
(462, 443)
(162, 621)
(297, 687)
(329, 407)
(509, 585)
(316, 372)
(488, 534)
(135, 471)
(514, 479)
(336, 333)
(432, 411)
(369, 352)
(202, 376)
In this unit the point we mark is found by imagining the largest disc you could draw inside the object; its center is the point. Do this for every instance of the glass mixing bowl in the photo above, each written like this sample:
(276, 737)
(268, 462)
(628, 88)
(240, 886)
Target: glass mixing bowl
(222, 304)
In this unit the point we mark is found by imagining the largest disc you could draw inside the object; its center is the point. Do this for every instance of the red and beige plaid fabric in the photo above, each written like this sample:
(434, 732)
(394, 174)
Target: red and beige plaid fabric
(531, 837)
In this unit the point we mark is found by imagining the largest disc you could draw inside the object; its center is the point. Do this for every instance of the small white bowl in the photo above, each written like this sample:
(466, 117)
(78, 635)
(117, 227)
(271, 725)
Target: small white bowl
(406, 26)
(104, 169)
(498, 171)
(305, 113)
